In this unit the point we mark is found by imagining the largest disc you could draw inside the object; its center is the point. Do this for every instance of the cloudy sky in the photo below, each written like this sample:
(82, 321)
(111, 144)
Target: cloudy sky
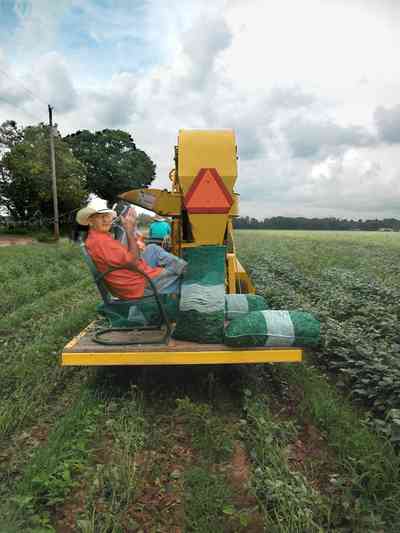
(312, 88)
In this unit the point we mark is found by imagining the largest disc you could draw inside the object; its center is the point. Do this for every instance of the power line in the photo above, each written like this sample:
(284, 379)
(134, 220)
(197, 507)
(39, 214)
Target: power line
(23, 110)
(28, 91)
(19, 82)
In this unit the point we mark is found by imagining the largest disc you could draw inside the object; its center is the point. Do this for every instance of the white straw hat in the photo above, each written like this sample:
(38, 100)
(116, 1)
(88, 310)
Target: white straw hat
(97, 205)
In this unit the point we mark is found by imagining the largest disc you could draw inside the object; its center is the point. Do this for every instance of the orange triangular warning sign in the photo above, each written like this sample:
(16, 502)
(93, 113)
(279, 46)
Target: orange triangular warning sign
(208, 194)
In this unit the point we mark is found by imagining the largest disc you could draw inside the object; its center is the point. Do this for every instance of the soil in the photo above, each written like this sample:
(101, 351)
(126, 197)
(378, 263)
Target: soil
(239, 475)
(158, 506)
(6, 240)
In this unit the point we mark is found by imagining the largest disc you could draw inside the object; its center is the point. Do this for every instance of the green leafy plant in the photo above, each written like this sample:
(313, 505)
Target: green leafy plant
(209, 433)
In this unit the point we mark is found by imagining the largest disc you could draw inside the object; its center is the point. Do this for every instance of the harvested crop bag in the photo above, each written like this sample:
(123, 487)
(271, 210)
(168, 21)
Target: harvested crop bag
(202, 303)
(273, 328)
(237, 305)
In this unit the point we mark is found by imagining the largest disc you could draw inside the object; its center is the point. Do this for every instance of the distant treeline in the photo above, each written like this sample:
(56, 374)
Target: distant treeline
(330, 223)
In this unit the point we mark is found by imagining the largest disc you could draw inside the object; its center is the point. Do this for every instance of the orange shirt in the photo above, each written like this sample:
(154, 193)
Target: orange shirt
(106, 252)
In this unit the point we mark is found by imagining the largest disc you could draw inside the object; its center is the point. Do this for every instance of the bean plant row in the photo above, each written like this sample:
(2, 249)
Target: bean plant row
(350, 282)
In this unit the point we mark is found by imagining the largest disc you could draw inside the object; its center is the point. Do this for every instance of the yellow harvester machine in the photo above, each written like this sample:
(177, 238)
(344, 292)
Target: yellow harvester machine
(201, 205)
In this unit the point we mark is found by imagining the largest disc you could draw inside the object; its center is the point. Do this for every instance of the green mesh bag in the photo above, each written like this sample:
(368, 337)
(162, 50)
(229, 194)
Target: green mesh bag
(237, 305)
(202, 303)
(143, 313)
(273, 328)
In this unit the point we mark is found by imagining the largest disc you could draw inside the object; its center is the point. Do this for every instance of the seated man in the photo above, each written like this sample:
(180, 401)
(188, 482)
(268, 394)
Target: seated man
(159, 228)
(162, 267)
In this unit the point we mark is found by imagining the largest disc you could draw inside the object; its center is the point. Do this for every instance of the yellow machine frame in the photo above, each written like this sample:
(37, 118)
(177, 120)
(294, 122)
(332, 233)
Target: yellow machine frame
(203, 158)
(197, 150)
(82, 351)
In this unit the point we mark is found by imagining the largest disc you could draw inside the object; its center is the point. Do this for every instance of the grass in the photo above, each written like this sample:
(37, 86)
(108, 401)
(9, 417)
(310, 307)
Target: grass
(356, 469)
(30, 356)
(53, 468)
(312, 252)
(121, 449)
(36, 327)
(368, 463)
(115, 480)
(350, 281)
(207, 501)
(210, 434)
(288, 501)
(354, 293)
(28, 273)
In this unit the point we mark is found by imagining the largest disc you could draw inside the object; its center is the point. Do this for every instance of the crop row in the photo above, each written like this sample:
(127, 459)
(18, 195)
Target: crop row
(359, 314)
(29, 273)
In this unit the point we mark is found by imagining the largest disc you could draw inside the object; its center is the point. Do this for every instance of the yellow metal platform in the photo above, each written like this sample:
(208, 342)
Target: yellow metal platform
(83, 351)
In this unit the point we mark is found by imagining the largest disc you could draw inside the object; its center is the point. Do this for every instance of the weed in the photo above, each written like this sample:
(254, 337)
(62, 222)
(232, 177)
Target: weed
(53, 469)
(207, 502)
(288, 501)
(116, 479)
(351, 283)
(368, 465)
(209, 433)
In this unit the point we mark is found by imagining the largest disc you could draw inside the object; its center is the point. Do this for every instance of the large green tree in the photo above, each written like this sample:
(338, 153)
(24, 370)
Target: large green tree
(10, 134)
(25, 175)
(113, 163)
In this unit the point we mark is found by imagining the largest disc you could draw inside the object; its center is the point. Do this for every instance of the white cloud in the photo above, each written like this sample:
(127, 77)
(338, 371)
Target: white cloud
(308, 138)
(298, 81)
(53, 82)
(388, 123)
(351, 182)
(38, 24)
(10, 92)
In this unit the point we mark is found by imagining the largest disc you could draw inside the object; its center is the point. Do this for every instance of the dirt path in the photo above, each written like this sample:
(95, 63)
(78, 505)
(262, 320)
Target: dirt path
(6, 240)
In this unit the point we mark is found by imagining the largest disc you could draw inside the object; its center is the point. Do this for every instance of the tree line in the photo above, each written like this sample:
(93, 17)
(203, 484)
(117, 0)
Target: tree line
(328, 223)
(105, 163)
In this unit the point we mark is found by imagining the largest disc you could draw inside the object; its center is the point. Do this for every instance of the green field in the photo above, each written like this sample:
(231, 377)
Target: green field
(277, 448)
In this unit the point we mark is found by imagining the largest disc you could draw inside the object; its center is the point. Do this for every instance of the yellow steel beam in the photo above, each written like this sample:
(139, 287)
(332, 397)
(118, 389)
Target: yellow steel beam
(243, 279)
(231, 273)
(163, 202)
(270, 355)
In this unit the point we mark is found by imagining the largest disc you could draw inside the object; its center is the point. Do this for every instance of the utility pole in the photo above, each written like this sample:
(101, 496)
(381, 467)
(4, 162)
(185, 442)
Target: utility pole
(53, 175)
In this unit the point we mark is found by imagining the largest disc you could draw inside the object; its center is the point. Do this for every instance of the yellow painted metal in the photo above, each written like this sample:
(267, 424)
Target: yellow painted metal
(196, 149)
(208, 228)
(165, 202)
(243, 280)
(73, 342)
(162, 202)
(249, 356)
(237, 278)
(230, 241)
(199, 149)
(206, 149)
(231, 273)
(234, 212)
(176, 236)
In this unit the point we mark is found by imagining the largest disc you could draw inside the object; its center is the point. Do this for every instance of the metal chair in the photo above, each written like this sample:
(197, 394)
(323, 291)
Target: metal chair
(126, 315)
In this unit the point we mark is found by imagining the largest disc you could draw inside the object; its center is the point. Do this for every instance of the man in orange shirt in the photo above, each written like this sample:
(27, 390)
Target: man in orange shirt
(162, 267)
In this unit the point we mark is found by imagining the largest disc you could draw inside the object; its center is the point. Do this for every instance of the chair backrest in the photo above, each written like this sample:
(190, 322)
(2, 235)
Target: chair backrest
(105, 294)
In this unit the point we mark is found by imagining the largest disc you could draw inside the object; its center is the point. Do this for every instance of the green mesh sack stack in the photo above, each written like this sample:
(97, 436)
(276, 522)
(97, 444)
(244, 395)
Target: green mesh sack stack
(202, 303)
(273, 328)
(143, 313)
(237, 305)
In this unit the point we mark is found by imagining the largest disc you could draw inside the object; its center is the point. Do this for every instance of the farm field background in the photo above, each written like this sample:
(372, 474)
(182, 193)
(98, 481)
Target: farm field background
(308, 447)
(351, 281)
